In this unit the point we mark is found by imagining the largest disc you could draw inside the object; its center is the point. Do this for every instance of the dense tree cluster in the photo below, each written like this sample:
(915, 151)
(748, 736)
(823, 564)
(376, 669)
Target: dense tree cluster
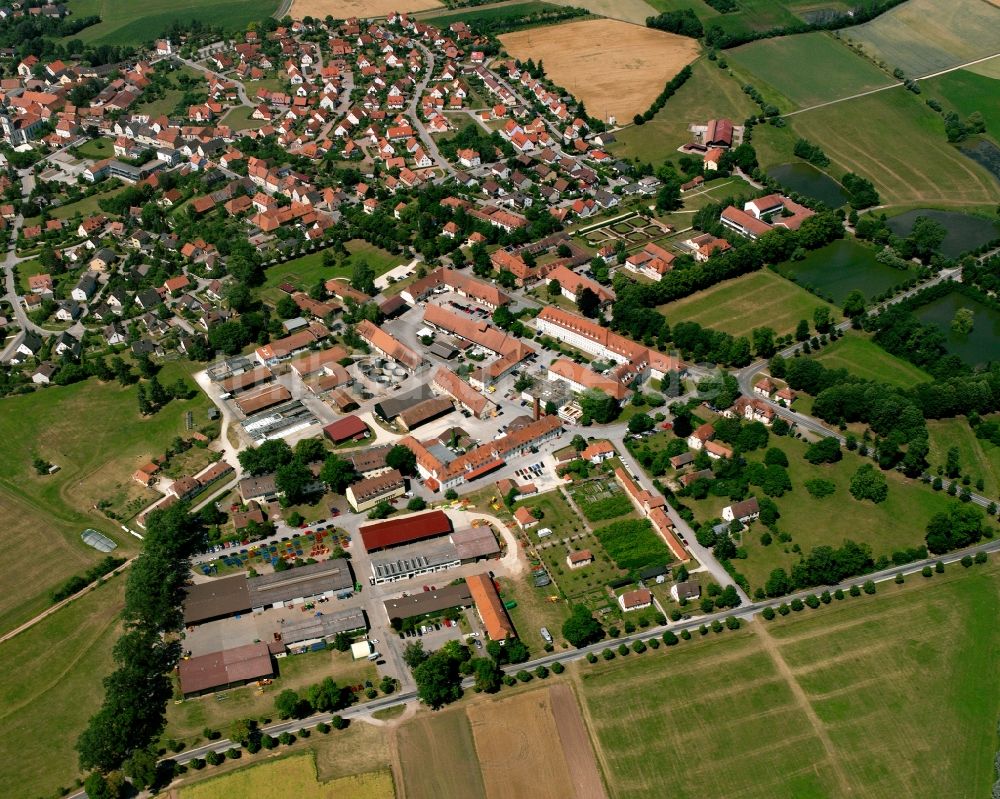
(133, 713)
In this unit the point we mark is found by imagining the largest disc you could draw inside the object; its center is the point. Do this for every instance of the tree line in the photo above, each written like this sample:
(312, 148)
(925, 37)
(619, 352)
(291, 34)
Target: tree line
(133, 713)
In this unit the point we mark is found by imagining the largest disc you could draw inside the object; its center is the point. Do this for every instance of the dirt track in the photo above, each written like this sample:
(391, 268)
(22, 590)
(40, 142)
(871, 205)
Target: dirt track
(577, 749)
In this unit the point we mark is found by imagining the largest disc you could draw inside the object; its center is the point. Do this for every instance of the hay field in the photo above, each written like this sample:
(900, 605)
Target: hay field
(52, 685)
(739, 305)
(523, 730)
(291, 776)
(614, 68)
(437, 757)
(924, 36)
(808, 69)
(894, 695)
(344, 9)
(912, 165)
(634, 11)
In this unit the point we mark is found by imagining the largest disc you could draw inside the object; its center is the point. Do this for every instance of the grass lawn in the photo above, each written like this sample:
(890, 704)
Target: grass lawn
(814, 705)
(862, 357)
(52, 685)
(306, 270)
(27, 269)
(94, 433)
(101, 147)
(187, 719)
(898, 522)
(239, 118)
(707, 94)
(85, 207)
(291, 776)
(554, 512)
(535, 609)
(808, 69)
(738, 306)
(125, 22)
(918, 167)
(978, 457)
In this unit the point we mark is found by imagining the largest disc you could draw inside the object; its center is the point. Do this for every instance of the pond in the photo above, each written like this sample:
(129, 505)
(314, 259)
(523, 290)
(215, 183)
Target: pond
(977, 348)
(965, 231)
(808, 181)
(841, 267)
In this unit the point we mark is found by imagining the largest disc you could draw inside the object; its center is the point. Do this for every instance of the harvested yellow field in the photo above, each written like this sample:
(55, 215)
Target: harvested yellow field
(291, 776)
(527, 730)
(345, 9)
(615, 68)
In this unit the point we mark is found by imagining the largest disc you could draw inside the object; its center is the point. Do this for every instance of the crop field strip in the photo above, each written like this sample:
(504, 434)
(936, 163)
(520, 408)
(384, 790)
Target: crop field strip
(437, 757)
(866, 359)
(825, 68)
(126, 22)
(925, 36)
(899, 679)
(920, 167)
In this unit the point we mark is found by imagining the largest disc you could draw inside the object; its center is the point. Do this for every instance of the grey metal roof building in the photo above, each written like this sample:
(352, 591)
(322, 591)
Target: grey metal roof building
(322, 627)
(300, 583)
(435, 555)
(450, 596)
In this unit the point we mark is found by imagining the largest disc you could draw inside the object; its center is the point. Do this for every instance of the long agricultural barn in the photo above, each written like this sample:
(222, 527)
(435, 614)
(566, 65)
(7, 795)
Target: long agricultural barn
(216, 599)
(424, 602)
(249, 404)
(225, 669)
(298, 585)
(490, 607)
(405, 530)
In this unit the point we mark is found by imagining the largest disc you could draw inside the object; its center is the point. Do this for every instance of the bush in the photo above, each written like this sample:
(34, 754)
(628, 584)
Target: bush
(686, 635)
(623, 649)
(339, 723)
(900, 579)
(981, 557)
(654, 643)
(591, 657)
(732, 623)
(797, 604)
(197, 764)
(558, 668)
(670, 639)
(235, 753)
(214, 758)
(783, 609)
(638, 647)
(869, 587)
(267, 741)
(509, 680)
(838, 594)
(286, 739)
(855, 590)
(967, 561)
(523, 676)
(812, 601)
(768, 614)
(939, 567)
(717, 626)
(323, 727)
(825, 598)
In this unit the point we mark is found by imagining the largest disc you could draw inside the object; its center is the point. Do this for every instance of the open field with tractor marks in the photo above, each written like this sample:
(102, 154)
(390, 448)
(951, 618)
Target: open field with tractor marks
(614, 68)
(818, 704)
(738, 306)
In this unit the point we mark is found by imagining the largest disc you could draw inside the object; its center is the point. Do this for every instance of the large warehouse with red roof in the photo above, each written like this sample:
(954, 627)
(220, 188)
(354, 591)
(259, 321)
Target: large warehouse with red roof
(405, 530)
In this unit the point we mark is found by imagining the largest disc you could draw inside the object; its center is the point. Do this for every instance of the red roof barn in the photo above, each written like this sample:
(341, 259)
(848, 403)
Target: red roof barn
(405, 530)
(344, 429)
